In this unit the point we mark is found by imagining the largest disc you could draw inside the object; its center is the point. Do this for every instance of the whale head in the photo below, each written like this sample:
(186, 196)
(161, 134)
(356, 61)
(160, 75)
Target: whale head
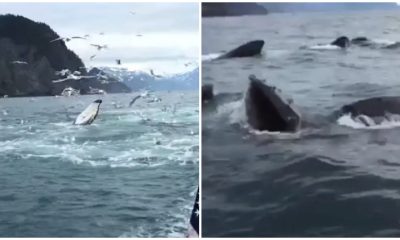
(249, 49)
(267, 110)
(342, 42)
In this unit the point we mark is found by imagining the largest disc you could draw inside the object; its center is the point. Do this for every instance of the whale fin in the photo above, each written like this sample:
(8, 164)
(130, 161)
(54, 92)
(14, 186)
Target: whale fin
(89, 114)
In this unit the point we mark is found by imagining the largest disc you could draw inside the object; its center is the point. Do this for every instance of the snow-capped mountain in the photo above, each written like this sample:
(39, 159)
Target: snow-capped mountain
(138, 80)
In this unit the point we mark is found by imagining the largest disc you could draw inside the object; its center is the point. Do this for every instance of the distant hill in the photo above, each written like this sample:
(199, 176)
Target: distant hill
(231, 9)
(139, 80)
(29, 61)
(328, 6)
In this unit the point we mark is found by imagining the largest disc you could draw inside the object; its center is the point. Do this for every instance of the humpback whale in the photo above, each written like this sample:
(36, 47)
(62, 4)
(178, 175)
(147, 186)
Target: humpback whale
(340, 43)
(373, 111)
(266, 110)
(248, 49)
(361, 41)
(89, 114)
(366, 42)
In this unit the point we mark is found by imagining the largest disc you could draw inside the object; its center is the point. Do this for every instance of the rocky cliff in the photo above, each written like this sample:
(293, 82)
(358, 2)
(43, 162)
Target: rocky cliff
(29, 61)
(232, 9)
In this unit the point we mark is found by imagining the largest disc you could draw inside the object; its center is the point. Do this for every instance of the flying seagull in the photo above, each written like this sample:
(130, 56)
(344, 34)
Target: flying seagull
(133, 13)
(19, 62)
(153, 74)
(78, 37)
(134, 100)
(92, 57)
(61, 38)
(63, 72)
(67, 39)
(71, 77)
(99, 47)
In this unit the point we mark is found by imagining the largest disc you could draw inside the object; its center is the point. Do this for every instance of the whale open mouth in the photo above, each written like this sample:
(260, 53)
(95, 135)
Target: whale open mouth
(266, 110)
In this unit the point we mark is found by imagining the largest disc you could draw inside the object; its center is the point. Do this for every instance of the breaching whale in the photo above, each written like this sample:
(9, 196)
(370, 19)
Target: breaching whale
(248, 49)
(267, 110)
(89, 114)
(373, 111)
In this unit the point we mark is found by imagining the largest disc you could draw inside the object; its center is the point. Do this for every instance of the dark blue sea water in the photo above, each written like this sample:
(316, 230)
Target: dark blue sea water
(109, 179)
(327, 180)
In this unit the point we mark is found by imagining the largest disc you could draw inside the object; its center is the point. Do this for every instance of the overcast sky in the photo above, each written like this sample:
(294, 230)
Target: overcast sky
(170, 33)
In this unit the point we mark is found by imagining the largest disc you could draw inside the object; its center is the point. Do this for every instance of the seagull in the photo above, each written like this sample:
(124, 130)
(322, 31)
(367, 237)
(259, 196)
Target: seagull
(153, 74)
(19, 62)
(139, 35)
(99, 47)
(118, 61)
(77, 37)
(86, 36)
(61, 38)
(93, 56)
(134, 100)
(63, 72)
(187, 64)
(145, 94)
(71, 77)
(102, 33)
(133, 13)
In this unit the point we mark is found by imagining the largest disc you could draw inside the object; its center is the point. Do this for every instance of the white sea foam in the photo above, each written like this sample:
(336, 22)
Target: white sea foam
(348, 121)
(209, 57)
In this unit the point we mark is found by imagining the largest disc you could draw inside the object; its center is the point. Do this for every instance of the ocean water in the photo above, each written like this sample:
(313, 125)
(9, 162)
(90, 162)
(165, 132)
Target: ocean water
(332, 178)
(109, 179)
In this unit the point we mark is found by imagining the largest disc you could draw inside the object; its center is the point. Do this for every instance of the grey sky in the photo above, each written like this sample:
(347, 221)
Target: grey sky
(170, 34)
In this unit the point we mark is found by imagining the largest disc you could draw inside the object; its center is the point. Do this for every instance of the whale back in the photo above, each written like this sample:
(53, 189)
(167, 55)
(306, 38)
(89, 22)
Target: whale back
(249, 49)
(373, 107)
(89, 114)
(267, 110)
(342, 42)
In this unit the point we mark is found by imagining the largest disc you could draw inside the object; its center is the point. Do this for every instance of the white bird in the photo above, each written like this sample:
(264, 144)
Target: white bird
(78, 37)
(145, 94)
(19, 62)
(92, 57)
(71, 77)
(102, 33)
(139, 35)
(99, 47)
(63, 72)
(133, 13)
(61, 38)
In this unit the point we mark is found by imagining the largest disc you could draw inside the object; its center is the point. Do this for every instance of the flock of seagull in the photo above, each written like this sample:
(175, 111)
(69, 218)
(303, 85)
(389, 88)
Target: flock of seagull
(67, 75)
